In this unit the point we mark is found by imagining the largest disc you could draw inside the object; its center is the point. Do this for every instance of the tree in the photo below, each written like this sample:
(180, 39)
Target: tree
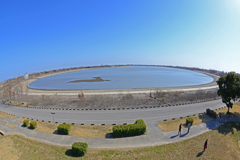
(229, 88)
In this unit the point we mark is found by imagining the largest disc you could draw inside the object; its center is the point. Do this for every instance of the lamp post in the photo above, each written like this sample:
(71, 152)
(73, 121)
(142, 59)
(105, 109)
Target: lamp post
(53, 116)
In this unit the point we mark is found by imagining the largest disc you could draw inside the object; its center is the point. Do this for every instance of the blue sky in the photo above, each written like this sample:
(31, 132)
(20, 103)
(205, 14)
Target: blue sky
(45, 35)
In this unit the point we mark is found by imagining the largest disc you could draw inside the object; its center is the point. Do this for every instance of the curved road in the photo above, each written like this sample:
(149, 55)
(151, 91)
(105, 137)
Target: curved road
(112, 116)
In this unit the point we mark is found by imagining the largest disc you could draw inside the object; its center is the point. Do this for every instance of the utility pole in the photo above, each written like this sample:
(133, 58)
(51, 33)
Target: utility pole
(53, 116)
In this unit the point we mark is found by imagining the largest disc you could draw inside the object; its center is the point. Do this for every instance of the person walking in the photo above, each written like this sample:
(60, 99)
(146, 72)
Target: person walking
(180, 127)
(205, 145)
(189, 126)
(220, 118)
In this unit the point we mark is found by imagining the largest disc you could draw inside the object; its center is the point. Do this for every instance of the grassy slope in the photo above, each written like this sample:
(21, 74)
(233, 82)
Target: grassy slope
(235, 110)
(172, 125)
(89, 131)
(5, 115)
(223, 144)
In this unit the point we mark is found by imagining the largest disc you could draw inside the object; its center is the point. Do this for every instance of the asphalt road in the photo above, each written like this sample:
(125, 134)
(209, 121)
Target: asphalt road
(111, 116)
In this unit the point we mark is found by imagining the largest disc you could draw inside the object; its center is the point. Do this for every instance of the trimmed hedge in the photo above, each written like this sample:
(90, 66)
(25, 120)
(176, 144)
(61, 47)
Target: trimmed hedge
(33, 124)
(25, 122)
(79, 148)
(189, 120)
(138, 128)
(211, 113)
(64, 129)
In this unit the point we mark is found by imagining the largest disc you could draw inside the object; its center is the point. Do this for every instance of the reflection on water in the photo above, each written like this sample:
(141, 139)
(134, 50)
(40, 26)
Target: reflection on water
(122, 78)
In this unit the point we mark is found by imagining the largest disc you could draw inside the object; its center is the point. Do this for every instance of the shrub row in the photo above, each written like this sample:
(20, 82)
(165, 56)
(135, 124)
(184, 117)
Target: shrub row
(138, 128)
(33, 124)
(211, 113)
(64, 129)
(79, 148)
(25, 122)
(189, 120)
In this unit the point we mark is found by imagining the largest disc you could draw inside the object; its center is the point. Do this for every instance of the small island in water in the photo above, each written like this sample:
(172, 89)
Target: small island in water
(96, 79)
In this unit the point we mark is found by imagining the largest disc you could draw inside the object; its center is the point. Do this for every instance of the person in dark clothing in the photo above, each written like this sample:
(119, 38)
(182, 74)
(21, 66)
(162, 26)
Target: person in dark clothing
(180, 127)
(205, 145)
(220, 117)
(189, 126)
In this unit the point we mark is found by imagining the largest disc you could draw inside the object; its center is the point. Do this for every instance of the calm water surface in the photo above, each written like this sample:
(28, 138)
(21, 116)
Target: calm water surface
(123, 78)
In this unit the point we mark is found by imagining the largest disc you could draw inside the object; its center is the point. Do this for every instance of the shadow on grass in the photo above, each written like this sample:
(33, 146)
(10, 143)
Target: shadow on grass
(70, 154)
(228, 128)
(55, 132)
(184, 125)
(230, 114)
(30, 128)
(205, 118)
(109, 135)
(200, 154)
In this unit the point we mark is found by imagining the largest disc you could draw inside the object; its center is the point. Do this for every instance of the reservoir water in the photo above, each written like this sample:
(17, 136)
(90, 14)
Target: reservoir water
(122, 78)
